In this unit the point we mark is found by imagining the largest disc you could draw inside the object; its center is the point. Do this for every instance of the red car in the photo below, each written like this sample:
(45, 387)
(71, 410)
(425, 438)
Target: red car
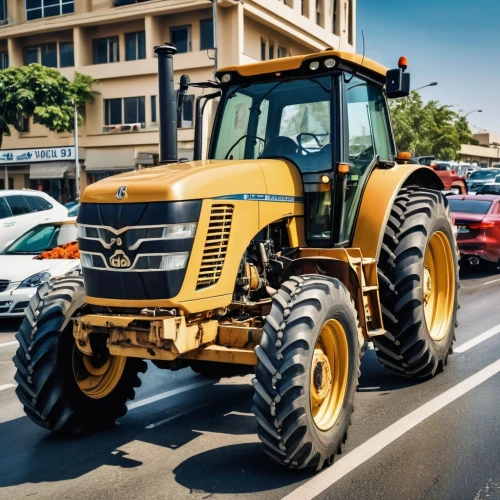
(477, 218)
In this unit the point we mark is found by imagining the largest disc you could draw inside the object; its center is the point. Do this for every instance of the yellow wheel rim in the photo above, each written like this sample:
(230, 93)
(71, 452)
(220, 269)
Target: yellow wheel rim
(97, 380)
(438, 285)
(330, 366)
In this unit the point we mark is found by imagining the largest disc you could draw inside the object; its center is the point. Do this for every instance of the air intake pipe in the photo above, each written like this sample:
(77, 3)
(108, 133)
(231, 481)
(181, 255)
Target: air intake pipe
(167, 103)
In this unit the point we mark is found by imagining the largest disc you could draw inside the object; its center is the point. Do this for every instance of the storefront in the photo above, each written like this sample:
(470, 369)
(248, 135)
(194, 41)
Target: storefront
(51, 170)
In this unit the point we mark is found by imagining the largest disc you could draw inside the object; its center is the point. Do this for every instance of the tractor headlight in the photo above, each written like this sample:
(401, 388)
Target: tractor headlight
(172, 261)
(35, 281)
(179, 231)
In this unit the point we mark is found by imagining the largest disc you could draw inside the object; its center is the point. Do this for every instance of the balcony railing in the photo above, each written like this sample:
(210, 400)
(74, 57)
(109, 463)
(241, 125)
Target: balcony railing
(125, 127)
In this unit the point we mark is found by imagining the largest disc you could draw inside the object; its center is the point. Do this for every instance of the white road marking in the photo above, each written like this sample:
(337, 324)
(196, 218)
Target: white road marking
(377, 443)
(5, 344)
(173, 417)
(6, 386)
(492, 281)
(168, 394)
(477, 340)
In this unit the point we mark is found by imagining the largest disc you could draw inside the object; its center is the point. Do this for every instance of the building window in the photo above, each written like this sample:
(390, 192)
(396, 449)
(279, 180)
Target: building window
(282, 52)
(271, 49)
(45, 54)
(66, 55)
(335, 18)
(263, 49)
(106, 50)
(206, 34)
(36, 9)
(3, 10)
(135, 46)
(187, 112)
(135, 110)
(113, 112)
(24, 125)
(125, 112)
(350, 26)
(180, 36)
(318, 12)
(153, 109)
(4, 60)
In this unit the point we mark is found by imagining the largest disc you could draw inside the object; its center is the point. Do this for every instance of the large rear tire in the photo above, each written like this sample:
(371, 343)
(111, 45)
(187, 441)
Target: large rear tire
(418, 270)
(61, 389)
(307, 372)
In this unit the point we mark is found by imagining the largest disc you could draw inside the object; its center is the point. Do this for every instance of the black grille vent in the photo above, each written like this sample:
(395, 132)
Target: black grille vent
(215, 250)
(4, 284)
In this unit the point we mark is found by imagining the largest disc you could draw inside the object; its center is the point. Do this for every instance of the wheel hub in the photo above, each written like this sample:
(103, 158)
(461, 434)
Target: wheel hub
(322, 377)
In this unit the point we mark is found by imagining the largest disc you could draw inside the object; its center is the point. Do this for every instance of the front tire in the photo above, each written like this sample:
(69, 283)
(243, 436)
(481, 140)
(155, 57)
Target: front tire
(307, 372)
(418, 270)
(61, 389)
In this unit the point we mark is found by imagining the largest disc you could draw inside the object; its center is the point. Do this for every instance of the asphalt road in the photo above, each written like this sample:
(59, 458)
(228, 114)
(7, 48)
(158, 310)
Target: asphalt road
(189, 437)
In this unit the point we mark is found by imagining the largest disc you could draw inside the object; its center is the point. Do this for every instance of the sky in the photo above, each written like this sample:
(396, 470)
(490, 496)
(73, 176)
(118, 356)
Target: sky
(452, 42)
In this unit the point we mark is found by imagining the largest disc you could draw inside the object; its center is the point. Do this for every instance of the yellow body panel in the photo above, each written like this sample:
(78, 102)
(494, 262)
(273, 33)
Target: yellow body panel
(209, 180)
(293, 63)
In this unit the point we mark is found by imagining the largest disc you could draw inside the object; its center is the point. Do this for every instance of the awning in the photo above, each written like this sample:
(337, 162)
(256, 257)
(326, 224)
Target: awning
(109, 160)
(50, 170)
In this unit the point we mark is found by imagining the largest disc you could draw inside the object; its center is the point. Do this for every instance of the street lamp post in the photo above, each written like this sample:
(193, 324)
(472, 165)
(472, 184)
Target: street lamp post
(473, 111)
(432, 84)
(77, 159)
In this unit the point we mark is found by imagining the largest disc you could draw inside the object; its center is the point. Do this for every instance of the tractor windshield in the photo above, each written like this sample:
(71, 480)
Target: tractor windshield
(280, 119)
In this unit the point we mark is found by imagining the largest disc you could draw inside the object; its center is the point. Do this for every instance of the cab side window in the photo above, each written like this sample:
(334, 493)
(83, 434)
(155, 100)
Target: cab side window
(18, 205)
(37, 203)
(369, 136)
(4, 209)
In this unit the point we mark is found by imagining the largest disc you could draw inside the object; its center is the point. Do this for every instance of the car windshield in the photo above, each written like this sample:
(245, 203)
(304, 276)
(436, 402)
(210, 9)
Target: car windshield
(285, 119)
(470, 206)
(443, 166)
(41, 238)
(489, 189)
(482, 175)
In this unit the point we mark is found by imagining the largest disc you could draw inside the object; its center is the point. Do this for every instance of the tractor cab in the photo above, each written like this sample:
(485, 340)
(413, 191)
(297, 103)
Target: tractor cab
(326, 114)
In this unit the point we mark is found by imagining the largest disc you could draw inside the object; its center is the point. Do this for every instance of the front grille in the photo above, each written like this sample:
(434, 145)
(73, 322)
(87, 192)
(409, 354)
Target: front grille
(4, 284)
(216, 243)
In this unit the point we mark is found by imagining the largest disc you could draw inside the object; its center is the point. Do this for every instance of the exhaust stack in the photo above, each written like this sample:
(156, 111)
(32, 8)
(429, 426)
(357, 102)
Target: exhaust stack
(167, 103)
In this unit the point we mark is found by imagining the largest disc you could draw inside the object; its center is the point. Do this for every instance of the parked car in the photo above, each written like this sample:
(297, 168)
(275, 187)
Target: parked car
(20, 210)
(446, 171)
(490, 188)
(44, 251)
(480, 177)
(478, 228)
(73, 211)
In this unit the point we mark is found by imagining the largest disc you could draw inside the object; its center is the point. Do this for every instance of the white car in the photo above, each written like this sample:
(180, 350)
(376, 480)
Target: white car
(22, 209)
(22, 270)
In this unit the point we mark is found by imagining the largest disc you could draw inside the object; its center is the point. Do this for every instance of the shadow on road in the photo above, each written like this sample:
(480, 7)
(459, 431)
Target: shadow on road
(468, 272)
(29, 454)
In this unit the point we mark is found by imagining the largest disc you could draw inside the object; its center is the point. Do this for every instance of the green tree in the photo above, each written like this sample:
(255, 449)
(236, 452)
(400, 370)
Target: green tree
(425, 129)
(43, 94)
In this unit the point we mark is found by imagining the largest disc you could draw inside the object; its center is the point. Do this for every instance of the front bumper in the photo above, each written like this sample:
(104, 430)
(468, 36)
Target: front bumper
(13, 301)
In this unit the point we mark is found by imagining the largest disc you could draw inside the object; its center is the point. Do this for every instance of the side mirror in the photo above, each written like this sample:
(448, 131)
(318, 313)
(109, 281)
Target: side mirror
(397, 83)
(181, 94)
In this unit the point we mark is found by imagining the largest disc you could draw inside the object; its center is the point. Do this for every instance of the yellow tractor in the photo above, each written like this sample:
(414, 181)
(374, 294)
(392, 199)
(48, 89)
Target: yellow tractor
(298, 241)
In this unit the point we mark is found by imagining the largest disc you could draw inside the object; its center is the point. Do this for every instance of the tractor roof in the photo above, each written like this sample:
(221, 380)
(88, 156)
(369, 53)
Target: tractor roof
(349, 59)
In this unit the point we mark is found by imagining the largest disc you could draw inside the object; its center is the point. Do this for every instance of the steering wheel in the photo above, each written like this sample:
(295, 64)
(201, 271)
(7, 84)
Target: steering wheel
(314, 136)
(240, 139)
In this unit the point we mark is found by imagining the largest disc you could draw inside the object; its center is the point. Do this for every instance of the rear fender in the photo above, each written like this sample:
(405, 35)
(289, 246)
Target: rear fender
(378, 199)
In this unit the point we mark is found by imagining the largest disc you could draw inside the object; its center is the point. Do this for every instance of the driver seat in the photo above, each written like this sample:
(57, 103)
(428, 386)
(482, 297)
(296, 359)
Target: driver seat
(280, 146)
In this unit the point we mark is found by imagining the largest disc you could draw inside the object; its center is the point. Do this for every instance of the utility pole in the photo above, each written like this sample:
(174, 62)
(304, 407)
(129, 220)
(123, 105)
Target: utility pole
(214, 16)
(77, 159)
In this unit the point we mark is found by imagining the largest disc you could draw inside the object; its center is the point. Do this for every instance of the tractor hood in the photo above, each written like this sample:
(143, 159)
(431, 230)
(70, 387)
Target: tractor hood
(199, 180)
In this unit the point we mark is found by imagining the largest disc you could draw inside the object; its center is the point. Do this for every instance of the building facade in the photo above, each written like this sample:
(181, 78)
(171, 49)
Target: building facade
(113, 41)
(486, 154)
